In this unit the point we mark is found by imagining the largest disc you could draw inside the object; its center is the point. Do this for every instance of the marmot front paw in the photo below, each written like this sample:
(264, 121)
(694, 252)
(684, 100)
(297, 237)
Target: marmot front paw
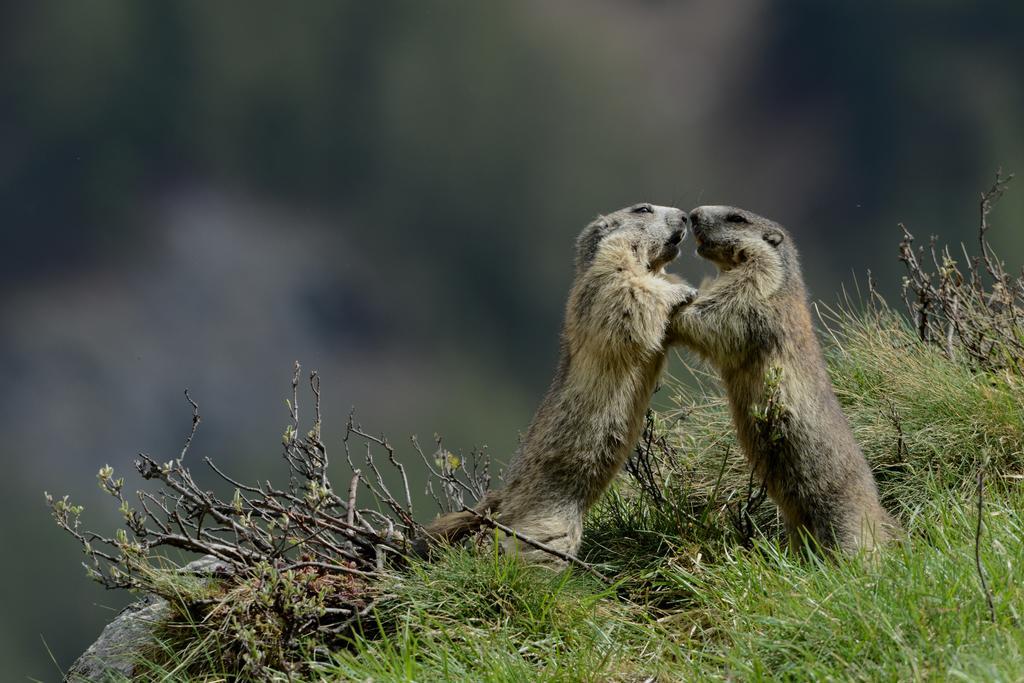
(686, 296)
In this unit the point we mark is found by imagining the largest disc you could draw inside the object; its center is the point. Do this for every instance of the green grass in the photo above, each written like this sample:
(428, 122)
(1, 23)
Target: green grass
(489, 617)
(920, 614)
(693, 599)
(952, 418)
(757, 614)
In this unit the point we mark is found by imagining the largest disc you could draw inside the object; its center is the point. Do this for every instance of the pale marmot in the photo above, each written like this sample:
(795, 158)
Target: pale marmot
(752, 322)
(612, 354)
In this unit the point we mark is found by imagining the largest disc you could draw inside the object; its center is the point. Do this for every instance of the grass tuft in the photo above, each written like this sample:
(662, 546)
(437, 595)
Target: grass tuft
(490, 617)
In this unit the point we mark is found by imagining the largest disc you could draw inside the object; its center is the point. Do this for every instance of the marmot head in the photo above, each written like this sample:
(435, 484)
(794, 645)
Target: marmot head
(650, 234)
(730, 237)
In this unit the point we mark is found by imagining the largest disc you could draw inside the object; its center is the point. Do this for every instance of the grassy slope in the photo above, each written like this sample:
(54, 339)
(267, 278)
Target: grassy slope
(693, 601)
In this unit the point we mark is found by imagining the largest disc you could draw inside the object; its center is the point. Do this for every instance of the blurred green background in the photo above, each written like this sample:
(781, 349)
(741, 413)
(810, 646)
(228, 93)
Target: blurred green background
(194, 194)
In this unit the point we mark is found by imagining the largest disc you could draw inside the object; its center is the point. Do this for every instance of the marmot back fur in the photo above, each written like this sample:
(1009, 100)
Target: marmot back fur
(754, 320)
(612, 353)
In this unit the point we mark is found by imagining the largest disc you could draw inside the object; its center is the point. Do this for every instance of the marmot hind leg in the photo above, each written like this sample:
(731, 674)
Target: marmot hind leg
(556, 530)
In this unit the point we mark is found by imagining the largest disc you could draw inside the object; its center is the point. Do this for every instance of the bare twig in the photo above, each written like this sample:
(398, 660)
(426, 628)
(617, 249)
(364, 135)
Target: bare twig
(641, 466)
(195, 425)
(352, 489)
(293, 407)
(902, 451)
(742, 515)
(330, 567)
(977, 549)
(474, 482)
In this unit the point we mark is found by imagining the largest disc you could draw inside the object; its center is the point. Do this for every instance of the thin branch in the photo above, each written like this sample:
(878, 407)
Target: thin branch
(195, 425)
(353, 488)
(330, 567)
(977, 549)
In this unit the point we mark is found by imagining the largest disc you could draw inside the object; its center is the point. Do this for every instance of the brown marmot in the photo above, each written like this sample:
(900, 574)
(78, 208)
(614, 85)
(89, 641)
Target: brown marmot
(612, 353)
(753, 323)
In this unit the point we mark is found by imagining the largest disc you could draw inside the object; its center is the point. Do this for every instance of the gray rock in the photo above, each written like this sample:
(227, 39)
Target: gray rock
(115, 653)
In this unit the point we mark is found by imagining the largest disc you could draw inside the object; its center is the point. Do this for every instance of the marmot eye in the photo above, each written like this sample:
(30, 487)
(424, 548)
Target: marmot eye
(643, 208)
(736, 218)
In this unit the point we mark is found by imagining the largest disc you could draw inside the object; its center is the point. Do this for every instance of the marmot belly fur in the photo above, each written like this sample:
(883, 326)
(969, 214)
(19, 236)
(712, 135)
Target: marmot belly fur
(754, 320)
(612, 354)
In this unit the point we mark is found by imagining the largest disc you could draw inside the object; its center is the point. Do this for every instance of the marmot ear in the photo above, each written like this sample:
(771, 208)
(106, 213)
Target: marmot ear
(589, 240)
(773, 237)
